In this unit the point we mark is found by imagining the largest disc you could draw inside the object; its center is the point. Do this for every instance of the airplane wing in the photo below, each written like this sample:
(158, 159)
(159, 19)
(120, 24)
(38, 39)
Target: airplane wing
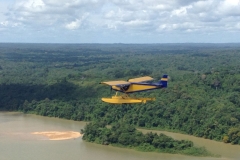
(141, 79)
(116, 83)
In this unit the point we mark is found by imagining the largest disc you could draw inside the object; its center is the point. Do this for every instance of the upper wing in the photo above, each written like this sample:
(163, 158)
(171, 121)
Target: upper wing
(134, 80)
(116, 83)
(141, 79)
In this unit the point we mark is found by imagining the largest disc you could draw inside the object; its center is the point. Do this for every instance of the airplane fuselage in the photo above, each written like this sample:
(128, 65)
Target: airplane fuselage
(136, 87)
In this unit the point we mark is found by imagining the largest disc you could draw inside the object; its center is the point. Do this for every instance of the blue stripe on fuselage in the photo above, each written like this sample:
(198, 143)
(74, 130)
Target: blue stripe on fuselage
(157, 85)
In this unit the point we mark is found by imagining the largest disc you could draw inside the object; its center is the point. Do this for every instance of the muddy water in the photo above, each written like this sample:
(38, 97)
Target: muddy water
(17, 143)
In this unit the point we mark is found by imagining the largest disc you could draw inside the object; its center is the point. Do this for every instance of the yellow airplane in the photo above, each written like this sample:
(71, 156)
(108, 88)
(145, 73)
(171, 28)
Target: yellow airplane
(131, 86)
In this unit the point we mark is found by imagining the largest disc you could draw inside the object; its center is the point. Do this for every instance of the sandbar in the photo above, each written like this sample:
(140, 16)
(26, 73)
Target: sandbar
(57, 135)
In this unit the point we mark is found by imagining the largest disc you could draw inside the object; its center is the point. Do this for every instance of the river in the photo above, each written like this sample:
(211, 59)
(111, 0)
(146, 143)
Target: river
(17, 143)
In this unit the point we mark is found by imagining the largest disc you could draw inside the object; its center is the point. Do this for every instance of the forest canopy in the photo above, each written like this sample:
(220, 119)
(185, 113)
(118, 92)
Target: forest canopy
(62, 80)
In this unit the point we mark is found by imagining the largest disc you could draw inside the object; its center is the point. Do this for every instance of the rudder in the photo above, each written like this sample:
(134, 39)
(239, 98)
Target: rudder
(164, 81)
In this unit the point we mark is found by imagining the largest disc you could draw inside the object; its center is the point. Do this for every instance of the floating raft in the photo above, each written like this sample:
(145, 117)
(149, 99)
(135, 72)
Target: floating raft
(126, 100)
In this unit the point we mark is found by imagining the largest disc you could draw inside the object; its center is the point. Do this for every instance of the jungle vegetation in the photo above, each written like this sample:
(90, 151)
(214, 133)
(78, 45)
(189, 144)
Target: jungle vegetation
(123, 134)
(62, 80)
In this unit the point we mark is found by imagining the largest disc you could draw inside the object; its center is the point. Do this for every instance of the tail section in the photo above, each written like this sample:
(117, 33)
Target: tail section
(164, 81)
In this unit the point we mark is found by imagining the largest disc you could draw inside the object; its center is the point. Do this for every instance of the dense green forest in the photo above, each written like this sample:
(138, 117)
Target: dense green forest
(122, 134)
(62, 80)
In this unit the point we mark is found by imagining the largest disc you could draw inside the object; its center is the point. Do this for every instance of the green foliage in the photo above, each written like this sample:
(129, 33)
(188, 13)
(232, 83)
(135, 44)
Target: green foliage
(201, 151)
(123, 134)
(59, 80)
(234, 135)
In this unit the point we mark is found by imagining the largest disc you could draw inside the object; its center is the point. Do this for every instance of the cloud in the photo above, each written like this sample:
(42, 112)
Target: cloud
(128, 17)
(119, 13)
(229, 8)
(60, 13)
(73, 25)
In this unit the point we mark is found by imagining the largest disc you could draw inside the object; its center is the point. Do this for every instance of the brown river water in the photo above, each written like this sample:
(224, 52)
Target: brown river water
(18, 143)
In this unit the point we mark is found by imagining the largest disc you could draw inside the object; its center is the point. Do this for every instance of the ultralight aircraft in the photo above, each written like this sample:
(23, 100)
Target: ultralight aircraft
(133, 85)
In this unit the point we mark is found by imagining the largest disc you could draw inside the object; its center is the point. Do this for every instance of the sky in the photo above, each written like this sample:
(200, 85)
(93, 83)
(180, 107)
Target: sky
(120, 21)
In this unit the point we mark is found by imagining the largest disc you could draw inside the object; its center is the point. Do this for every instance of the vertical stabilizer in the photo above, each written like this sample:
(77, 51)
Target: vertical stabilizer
(164, 81)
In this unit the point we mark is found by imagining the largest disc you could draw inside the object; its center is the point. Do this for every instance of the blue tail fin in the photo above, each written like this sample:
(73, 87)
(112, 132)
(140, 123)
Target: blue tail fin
(164, 81)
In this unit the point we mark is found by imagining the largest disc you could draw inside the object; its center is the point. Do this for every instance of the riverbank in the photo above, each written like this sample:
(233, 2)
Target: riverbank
(215, 147)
